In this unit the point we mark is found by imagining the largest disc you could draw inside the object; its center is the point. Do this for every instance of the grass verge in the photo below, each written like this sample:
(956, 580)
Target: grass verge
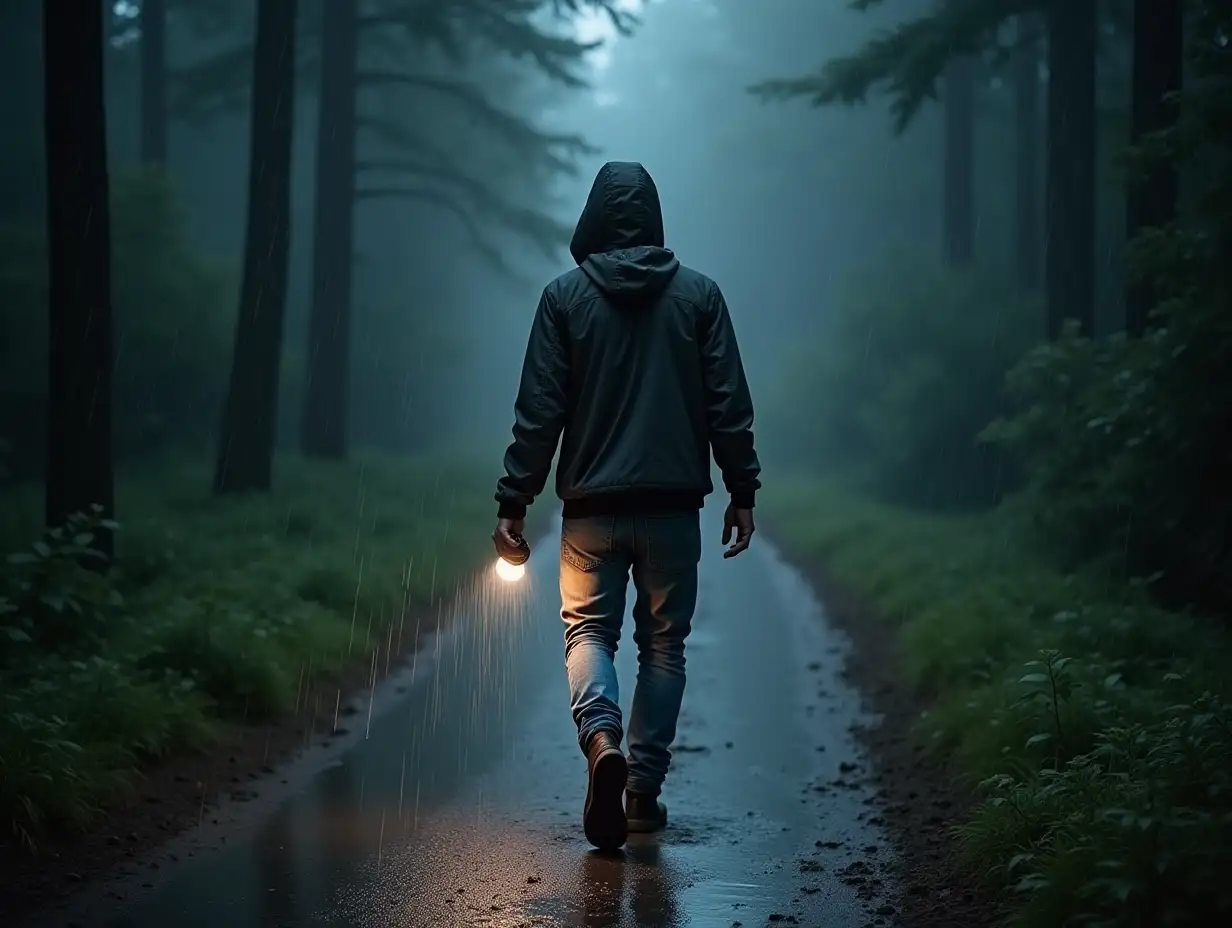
(1093, 725)
(216, 613)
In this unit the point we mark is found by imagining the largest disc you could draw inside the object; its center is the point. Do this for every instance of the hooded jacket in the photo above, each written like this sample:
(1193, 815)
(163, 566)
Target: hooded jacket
(632, 358)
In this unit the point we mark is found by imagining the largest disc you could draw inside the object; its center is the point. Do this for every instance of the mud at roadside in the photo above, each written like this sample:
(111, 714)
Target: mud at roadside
(920, 796)
(180, 805)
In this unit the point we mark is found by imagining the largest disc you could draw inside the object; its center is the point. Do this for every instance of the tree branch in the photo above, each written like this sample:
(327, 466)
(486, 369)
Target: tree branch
(905, 61)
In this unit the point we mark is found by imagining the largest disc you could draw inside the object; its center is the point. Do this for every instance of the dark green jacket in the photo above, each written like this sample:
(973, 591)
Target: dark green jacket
(632, 357)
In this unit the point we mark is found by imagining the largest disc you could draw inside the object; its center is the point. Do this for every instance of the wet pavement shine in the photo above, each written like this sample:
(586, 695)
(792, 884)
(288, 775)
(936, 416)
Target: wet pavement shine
(460, 803)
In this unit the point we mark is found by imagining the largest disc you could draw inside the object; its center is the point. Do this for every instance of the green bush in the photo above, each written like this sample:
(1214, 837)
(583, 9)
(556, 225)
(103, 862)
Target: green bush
(174, 320)
(1093, 725)
(899, 380)
(1128, 444)
(216, 612)
(1128, 441)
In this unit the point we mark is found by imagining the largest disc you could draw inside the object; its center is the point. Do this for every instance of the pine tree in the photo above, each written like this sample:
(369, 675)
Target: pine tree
(246, 445)
(80, 354)
(323, 431)
(907, 62)
(1026, 78)
(383, 50)
(400, 38)
(1070, 198)
(411, 163)
(1151, 201)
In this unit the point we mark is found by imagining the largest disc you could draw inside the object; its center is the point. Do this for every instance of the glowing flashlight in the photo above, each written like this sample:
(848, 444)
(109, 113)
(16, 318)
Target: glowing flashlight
(511, 564)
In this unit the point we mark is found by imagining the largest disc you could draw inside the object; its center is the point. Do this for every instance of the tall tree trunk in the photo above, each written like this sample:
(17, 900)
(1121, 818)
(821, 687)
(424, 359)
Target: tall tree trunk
(154, 82)
(1070, 239)
(326, 393)
(246, 445)
(79, 452)
(959, 181)
(1027, 150)
(1159, 52)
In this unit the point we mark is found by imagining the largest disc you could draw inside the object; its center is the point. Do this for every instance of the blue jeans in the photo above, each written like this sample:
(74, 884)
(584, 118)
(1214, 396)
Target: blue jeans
(597, 554)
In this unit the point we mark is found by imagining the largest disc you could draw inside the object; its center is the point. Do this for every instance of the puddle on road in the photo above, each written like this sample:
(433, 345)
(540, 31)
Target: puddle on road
(718, 902)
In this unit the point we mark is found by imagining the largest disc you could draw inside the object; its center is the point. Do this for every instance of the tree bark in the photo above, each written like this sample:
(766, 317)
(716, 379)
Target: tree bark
(959, 162)
(79, 451)
(154, 130)
(1070, 223)
(1159, 50)
(1026, 77)
(327, 391)
(246, 445)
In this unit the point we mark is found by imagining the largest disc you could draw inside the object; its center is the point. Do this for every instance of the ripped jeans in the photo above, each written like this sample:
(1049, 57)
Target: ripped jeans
(597, 555)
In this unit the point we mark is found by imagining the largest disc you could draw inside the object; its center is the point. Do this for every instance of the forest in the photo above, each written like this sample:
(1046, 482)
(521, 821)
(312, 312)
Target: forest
(1038, 429)
(252, 418)
(209, 510)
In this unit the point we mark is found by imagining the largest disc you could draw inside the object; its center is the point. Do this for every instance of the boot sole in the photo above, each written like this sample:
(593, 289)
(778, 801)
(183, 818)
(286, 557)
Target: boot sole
(604, 820)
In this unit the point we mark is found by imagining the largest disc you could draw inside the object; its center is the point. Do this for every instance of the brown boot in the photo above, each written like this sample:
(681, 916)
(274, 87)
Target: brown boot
(644, 814)
(603, 820)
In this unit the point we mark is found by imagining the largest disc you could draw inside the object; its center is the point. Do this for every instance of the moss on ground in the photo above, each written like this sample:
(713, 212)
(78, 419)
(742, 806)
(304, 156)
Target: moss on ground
(1092, 723)
(211, 614)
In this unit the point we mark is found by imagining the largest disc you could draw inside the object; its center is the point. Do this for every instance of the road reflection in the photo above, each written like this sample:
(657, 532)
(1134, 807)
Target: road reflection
(276, 865)
(635, 882)
(459, 805)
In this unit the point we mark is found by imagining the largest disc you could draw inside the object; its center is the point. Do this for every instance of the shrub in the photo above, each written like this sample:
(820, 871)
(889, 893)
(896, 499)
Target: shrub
(1095, 725)
(1128, 442)
(216, 612)
(1127, 820)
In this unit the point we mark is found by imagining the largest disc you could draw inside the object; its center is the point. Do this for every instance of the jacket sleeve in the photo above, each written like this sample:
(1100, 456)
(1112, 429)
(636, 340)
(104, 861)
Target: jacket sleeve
(539, 413)
(729, 407)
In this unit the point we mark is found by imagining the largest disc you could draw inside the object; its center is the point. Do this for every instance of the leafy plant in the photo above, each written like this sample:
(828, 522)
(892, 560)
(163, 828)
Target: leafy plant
(215, 613)
(1134, 831)
(54, 601)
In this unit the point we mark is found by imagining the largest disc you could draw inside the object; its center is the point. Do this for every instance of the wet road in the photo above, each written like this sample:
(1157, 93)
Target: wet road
(462, 805)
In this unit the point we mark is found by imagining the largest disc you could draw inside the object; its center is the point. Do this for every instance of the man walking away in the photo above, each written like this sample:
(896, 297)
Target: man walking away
(632, 356)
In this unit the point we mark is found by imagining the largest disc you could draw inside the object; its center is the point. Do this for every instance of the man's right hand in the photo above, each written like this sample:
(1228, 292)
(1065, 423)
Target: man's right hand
(507, 535)
(741, 521)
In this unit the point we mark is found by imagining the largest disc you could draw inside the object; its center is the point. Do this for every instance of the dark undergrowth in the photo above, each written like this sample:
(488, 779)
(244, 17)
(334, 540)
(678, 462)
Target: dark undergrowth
(1093, 724)
(213, 614)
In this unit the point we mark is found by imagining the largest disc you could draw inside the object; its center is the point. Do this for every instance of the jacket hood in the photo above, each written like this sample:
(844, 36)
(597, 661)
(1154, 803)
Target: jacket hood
(618, 241)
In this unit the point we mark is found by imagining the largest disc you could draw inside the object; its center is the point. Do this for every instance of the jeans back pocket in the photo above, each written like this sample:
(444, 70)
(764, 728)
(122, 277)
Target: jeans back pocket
(587, 543)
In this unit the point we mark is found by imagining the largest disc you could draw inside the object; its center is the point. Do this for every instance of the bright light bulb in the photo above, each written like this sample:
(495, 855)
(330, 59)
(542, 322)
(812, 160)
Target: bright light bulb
(510, 573)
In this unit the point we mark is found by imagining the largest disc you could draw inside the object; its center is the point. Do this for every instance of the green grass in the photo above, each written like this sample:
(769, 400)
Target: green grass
(214, 612)
(1092, 724)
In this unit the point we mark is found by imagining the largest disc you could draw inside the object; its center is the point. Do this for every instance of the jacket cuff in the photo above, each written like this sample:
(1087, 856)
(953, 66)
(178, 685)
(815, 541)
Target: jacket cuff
(510, 510)
(744, 499)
